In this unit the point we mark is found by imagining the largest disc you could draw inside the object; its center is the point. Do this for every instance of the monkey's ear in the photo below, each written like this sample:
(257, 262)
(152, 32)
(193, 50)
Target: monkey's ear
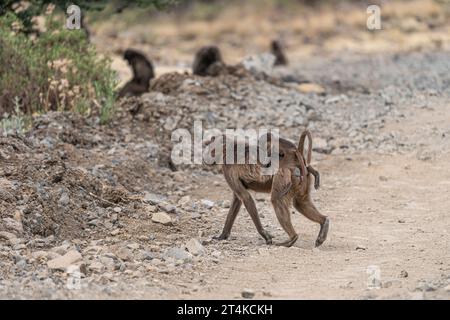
(281, 183)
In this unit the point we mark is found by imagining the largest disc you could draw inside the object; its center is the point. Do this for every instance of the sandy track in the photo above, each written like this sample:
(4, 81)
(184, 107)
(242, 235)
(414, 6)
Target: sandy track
(395, 208)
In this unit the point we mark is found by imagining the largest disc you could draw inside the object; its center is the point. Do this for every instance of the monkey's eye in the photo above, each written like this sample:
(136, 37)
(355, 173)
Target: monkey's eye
(281, 155)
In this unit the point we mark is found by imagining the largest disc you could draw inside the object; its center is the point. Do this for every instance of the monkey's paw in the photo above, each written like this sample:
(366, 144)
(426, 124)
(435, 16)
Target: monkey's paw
(221, 237)
(268, 237)
(288, 243)
(323, 232)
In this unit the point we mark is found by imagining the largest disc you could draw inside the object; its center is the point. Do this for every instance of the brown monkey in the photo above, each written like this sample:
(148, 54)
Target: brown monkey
(208, 61)
(285, 186)
(142, 73)
(277, 50)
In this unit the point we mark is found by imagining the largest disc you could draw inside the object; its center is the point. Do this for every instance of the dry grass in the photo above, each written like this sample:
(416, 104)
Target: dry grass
(171, 39)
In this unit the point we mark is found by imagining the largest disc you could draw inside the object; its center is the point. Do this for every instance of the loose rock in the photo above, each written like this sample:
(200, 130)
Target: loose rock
(61, 263)
(247, 294)
(162, 218)
(195, 247)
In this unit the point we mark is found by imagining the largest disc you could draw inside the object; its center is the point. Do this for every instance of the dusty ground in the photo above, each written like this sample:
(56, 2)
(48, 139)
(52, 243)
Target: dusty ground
(395, 207)
(385, 186)
(78, 200)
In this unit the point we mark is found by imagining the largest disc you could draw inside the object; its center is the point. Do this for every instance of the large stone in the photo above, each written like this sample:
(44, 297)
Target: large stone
(162, 218)
(61, 263)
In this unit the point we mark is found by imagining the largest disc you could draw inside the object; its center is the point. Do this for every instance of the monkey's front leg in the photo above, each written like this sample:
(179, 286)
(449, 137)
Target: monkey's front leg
(249, 204)
(232, 213)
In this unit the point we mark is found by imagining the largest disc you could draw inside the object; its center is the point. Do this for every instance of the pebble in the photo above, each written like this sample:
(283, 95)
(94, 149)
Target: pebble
(208, 204)
(147, 256)
(64, 200)
(14, 224)
(178, 254)
(39, 255)
(162, 218)
(96, 266)
(195, 215)
(153, 198)
(124, 254)
(426, 287)
(108, 262)
(61, 263)
(404, 274)
(225, 204)
(169, 208)
(7, 235)
(184, 201)
(133, 246)
(311, 88)
(195, 247)
(247, 294)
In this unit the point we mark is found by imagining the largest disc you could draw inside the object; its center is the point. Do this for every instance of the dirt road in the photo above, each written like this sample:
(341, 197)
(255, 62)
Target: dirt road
(386, 211)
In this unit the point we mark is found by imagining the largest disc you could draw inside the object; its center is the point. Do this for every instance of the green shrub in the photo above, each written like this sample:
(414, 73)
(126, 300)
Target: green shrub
(57, 70)
(16, 123)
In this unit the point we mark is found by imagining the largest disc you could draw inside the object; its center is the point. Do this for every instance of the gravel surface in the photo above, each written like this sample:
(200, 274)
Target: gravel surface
(91, 211)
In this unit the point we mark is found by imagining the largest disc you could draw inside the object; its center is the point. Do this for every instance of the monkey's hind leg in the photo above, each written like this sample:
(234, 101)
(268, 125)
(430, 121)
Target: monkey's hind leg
(307, 208)
(284, 217)
(232, 213)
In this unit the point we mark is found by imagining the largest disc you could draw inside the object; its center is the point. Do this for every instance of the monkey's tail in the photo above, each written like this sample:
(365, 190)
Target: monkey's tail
(301, 146)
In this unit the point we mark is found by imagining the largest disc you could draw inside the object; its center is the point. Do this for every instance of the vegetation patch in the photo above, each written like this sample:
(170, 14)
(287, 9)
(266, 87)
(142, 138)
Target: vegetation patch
(52, 69)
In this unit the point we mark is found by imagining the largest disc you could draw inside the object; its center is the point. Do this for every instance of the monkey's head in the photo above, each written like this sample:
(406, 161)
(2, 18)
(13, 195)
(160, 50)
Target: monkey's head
(276, 46)
(277, 50)
(204, 58)
(131, 54)
(210, 54)
(141, 66)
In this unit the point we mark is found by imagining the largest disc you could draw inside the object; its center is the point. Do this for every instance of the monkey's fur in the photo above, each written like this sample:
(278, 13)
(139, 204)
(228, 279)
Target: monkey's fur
(208, 61)
(285, 186)
(277, 50)
(142, 73)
